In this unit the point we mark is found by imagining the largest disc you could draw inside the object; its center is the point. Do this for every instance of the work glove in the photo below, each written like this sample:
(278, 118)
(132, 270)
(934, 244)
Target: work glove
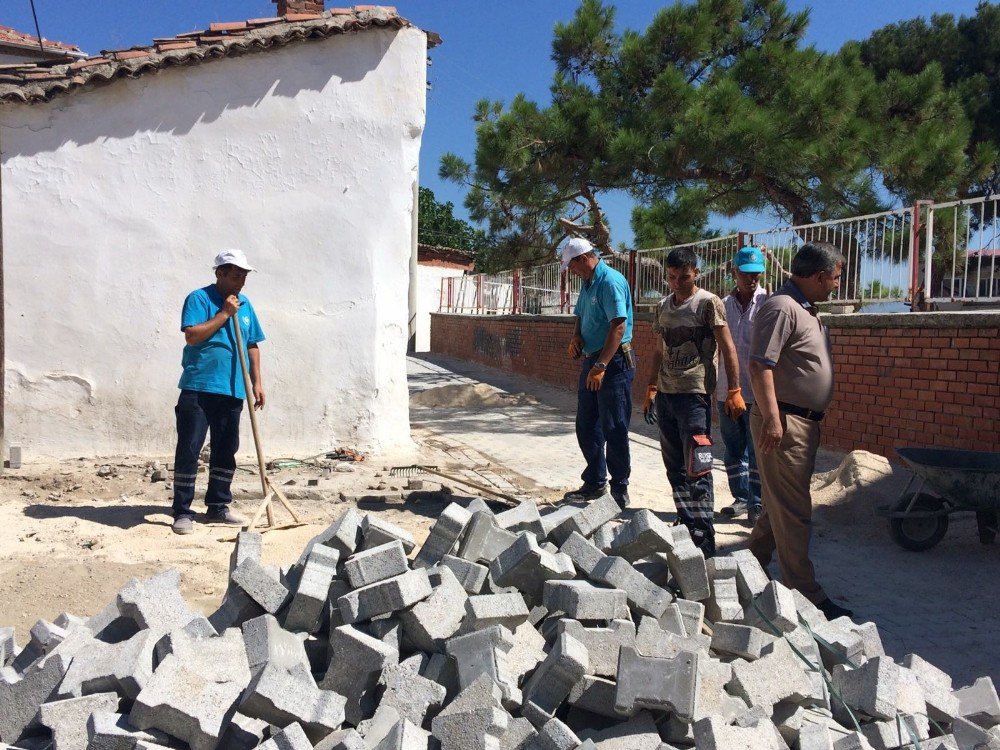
(648, 410)
(595, 378)
(735, 405)
(575, 347)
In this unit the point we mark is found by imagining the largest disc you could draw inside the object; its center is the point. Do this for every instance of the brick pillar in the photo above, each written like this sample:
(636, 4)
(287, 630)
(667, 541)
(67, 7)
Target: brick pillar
(299, 6)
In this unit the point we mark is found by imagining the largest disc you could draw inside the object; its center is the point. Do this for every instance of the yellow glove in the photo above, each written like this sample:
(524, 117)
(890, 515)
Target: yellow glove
(735, 405)
(648, 412)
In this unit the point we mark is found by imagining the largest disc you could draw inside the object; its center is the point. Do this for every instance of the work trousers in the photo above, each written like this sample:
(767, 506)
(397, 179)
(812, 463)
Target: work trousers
(681, 416)
(602, 419)
(199, 414)
(785, 525)
(740, 457)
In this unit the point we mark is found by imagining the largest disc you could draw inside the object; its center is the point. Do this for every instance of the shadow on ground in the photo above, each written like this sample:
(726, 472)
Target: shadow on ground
(123, 516)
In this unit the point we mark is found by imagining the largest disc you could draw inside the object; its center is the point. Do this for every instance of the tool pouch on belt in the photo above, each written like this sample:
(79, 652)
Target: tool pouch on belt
(628, 354)
(699, 456)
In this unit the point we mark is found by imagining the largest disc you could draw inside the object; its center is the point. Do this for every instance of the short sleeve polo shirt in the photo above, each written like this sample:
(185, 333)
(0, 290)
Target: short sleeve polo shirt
(603, 299)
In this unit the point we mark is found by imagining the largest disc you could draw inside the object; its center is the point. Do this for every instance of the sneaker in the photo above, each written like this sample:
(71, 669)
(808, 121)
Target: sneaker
(182, 525)
(224, 515)
(735, 510)
(587, 492)
(621, 496)
(753, 514)
(832, 610)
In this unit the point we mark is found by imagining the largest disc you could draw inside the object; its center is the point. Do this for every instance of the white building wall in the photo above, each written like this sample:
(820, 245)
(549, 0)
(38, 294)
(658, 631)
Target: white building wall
(429, 280)
(116, 199)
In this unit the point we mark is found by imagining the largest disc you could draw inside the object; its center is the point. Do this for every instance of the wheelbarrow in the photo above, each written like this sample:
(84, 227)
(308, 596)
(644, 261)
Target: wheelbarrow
(944, 482)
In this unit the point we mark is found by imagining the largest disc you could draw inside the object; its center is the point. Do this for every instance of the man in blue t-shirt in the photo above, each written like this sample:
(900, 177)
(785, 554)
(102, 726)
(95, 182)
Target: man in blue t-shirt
(212, 390)
(603, 336)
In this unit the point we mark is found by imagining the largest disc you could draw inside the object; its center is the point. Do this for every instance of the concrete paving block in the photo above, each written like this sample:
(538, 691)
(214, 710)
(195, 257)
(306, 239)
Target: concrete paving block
(567, 662)
(390, 595)
(527, 567)
(281, 697)
(342, 739)
(815, 737)
(584, 554)
(122, 668)
(643, 595)
(292, 737)
(776, 677)
(693, 615)
(555, 735)
(387, 628)
(486, 610)
(751, 579)
(244, 733)
(484, 539)
(773, 610)
(474, 720)
(8, 646)
(21, 695)
(588, 520)
(519, 735)
(373, 564)
(523, 517)
(528, 651)
(376, 531)
(471, 575)
(428, 624)
(193, 693)
(343, 535)
(673, 622)
(643, 535)
(602, 644)
(198, 628)
(484, 652)
(652, 640)
(261, 586)
(838, 642)
(638, 733)
(249, 546)
(596, 695)
(413, 696)
(476, 505)
(970, 736)
(405, 735)
(739, 640)
(889, 735)
(107, 730)
(305, 612)
(266, 642)
(156, 603)
(942, 704)
(871, 688)
(801, 639)
(687, 566)
(68, 718)
(724, 603)
(237, 607)
(656, 683)
(852, 741)
(870, 639)
(582, 600)
(711, 698)
(605, 536)
(356, 661)
(553, 516)
(444, 536)
(712, 733)
(979, 703)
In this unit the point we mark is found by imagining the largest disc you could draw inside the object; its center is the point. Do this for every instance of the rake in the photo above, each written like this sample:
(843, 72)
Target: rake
(415, 469)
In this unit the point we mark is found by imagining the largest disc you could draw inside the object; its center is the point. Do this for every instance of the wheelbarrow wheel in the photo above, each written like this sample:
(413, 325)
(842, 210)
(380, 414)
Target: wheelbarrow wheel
(922, 532)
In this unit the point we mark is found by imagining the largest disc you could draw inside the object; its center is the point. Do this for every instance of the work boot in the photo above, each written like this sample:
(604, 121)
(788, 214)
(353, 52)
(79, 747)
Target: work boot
(587, 492)
(832, 610)
(620, 494)
(753, 514)
(222, 514)
(735, 510)
(182, 525)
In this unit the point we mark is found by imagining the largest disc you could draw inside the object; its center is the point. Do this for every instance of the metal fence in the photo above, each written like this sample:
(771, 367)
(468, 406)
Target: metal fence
(920, 256)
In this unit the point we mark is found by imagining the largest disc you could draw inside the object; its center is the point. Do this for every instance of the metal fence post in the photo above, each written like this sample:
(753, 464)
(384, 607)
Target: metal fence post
(916, 298)
(632, 276)
(563, 294)
(515, 297)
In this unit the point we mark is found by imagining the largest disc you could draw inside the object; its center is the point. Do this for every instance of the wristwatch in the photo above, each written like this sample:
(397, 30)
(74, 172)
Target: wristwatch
(600, 366)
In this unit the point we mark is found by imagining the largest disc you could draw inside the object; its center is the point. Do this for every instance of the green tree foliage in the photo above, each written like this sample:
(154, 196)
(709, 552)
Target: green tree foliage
(438, 225)
(716, 106)
(965, 54)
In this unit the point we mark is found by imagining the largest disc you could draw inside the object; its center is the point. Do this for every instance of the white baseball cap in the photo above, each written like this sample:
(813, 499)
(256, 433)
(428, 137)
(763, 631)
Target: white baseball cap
(233, 257)
(574, 248)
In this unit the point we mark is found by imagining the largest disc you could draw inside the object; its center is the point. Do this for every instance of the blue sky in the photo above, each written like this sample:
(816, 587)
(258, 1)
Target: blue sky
(492, 49)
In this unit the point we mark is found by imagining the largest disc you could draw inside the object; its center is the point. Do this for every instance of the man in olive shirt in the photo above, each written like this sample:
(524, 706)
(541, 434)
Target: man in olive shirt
(791, 371)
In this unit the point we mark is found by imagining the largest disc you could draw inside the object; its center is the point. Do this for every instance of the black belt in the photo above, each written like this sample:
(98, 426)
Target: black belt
(623, 348)
(801, 411)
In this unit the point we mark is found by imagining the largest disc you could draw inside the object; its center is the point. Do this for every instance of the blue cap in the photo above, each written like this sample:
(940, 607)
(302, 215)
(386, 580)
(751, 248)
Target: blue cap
(749, 260)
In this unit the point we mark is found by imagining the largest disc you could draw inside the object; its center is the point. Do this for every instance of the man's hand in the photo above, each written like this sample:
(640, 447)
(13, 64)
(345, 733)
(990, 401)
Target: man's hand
(575, 348)
(595, 379)
(231, 305)
(771, 436)
(648, 407)
(258, 397)
(735, 405)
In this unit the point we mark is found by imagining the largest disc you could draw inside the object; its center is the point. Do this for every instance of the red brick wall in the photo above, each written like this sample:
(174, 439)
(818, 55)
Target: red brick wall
(931, 379)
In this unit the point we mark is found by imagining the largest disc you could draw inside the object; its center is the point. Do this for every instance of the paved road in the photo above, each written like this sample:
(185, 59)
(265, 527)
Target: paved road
(941, 604)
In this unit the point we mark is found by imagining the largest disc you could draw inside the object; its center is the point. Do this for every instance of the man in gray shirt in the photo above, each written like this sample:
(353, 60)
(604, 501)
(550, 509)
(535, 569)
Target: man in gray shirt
(791, 371)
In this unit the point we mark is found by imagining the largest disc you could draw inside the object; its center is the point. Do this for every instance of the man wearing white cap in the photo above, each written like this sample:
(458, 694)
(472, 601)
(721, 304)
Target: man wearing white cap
(603, 336)
(212, 391)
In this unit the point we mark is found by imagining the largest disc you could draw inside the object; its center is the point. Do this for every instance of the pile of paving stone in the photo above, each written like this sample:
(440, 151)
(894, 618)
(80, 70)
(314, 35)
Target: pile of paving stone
(570, 630)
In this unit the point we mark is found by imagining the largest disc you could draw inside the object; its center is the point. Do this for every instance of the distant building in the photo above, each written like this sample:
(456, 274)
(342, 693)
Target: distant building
(435, 265)
(17, 47)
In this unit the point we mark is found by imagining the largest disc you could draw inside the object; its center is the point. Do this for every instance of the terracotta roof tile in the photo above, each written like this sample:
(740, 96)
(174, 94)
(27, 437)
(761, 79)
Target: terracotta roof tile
(19, 38)
(40, 82)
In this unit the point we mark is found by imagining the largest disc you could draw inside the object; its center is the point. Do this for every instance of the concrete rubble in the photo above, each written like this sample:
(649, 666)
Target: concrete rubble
(572, 629)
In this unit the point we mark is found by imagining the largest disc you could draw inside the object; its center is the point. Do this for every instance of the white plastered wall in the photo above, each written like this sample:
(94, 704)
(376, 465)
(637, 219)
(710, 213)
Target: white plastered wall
(429, 280)
(116, 199)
